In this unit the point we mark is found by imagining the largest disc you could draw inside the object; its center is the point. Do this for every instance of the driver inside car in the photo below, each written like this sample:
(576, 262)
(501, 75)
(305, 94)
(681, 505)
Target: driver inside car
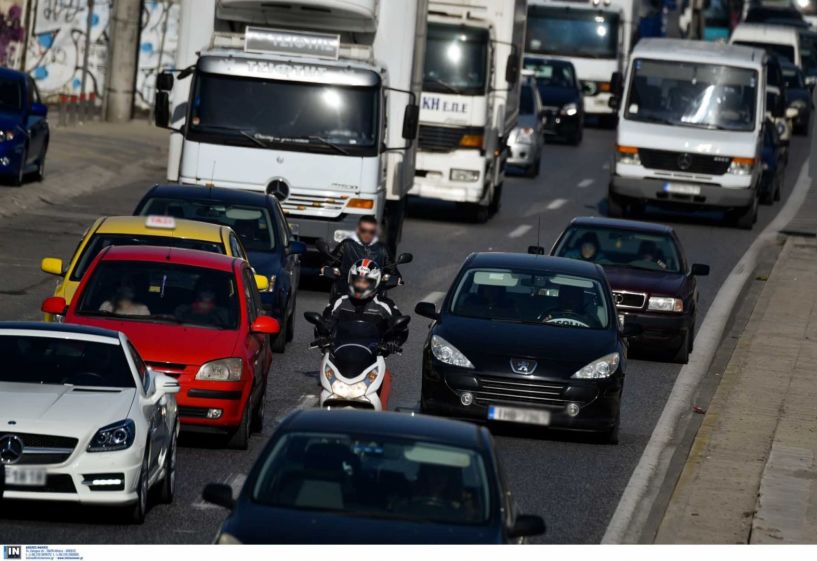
(204, 310)
(572, 307)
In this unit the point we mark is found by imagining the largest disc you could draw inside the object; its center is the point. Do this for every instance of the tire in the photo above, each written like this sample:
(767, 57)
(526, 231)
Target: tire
(39, 175)
(533, 170)
(19, 178)
(168, 488)
(279, 345)
(240, 438)
(290, 331)
(496, 201)
(137, 511)
(745, 218)
(615, 207)
(776, 196)
(681, 356)
(257, 421)
(767, 196)
(479, 214)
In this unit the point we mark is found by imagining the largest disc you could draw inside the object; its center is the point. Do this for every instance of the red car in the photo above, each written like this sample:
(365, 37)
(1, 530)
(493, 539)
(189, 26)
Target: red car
(193, 315)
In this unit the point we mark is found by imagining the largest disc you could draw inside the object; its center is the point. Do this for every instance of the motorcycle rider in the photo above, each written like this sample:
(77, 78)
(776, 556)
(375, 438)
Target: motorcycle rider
(363, 244)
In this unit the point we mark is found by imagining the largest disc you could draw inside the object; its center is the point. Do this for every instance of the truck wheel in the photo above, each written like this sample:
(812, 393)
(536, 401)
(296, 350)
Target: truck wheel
(478, 213)
(496, 201)
(615, 206)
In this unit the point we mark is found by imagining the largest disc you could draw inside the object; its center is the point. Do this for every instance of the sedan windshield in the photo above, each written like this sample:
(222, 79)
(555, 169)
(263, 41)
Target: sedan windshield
(147, 291)
(708, 96)
(11, 95)
(100, 241)
(456, 60)
(58, 361)
(621, 248)
(285, 115)
(531, 297)
(385, 478)
(252, 224)
(568, 32)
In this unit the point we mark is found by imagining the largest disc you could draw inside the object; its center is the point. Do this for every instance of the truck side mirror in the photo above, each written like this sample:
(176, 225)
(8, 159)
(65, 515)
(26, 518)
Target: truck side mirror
(161, 110)
(411, 120)
(616, 84)
(512, 68)
(164, 81)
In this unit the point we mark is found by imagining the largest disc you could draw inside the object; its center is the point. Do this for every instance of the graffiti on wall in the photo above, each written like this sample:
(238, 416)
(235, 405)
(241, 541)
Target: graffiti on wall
(12, 32)
(157, 46)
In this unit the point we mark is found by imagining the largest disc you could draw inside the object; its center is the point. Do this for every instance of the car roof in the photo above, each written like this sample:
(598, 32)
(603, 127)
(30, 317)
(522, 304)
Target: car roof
(170, 255)
(215, 194)
(529, 261)
(620, 224)
(187, 229)
(761, 31)
(699, 51)
(58, 329)
(386, 423)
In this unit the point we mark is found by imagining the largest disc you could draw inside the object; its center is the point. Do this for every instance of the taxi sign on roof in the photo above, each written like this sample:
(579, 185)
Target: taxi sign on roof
(163, 222)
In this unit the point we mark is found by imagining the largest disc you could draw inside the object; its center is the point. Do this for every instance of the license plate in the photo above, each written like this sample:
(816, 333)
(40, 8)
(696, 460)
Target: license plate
(25, 477)
(682, 188)
(518, 415)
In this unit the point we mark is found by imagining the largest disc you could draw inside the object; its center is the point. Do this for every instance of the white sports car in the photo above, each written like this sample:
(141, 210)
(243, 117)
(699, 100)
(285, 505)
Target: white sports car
(83, 419)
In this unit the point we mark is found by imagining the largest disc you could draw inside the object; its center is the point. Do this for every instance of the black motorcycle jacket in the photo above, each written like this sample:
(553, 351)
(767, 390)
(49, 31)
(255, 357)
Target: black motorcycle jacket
(379, 310)
(351, 250)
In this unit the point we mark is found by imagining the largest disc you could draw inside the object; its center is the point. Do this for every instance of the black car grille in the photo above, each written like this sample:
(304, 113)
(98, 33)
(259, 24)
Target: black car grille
(683, 161)
(495, 389)
(54, 483)
(629, 300)
(442, 139)
(200, 412)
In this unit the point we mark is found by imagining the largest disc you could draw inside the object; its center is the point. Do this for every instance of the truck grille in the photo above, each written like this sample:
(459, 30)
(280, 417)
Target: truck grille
(442, 139)
(298, 203)
(629, 300)
(494, 389)
(684, 161)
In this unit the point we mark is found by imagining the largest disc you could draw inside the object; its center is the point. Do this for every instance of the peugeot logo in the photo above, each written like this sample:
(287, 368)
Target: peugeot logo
(684, 161)
(523, 366)
(279, 188)
(11, 449)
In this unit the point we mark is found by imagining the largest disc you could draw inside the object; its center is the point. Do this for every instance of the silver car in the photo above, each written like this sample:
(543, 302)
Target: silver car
(526, 139)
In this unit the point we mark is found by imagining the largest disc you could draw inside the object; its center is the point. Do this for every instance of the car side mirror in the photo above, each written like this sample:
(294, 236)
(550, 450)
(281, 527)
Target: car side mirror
(527, 525)
(39, 109)
(427, 310)
(297, 248)
(512, 68)
(792, 112)
(265, 325)
(699, 270)
(161, 110)
(164, 81)
(54, 305)
(404, 258)
(165, 384)
(219, 494)
(630, 329)
(52, 266)
(261, 282)
(411, 120)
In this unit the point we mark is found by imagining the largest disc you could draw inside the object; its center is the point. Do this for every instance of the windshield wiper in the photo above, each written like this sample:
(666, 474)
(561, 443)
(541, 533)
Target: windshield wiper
(325, 142)
(444, 84)
(248, 133)
(652, 119)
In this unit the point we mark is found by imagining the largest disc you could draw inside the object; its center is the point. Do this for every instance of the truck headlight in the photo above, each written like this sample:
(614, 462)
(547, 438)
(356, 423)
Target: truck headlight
(627, 155)
(599, 368)
(665, 304)
(221, 370)
(465, 175)
(570, 109)
(741, 166)
(116, 436)
(448, 353)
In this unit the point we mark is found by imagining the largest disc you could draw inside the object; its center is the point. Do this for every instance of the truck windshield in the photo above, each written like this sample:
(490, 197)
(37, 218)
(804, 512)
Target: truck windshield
(707, 96)
(306, 117)
(572, 32)
(456, 60)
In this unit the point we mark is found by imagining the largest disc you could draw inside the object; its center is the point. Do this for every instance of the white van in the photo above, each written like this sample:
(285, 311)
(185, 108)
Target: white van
(690, 128)
(774, 39)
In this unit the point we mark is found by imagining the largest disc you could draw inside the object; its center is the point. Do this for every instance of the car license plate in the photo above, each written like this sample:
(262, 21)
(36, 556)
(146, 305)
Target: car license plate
(518, 415)
(682, 188)
(25, 477)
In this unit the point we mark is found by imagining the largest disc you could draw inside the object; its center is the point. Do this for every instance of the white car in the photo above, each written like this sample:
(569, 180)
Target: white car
(83, 419)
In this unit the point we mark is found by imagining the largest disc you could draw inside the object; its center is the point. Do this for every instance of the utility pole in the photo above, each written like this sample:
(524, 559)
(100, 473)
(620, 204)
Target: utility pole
(123, 56)
(83, 96)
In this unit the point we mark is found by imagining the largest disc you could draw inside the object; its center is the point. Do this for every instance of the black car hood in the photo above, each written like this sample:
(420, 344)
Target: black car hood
(558, 351)
(257, 524)
(651, 282)
(556, 97)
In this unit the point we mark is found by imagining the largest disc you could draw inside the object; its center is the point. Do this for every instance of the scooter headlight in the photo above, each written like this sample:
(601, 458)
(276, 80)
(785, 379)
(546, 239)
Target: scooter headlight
(349, 391)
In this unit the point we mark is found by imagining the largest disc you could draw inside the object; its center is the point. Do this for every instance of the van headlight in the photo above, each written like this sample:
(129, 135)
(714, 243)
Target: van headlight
(221, 370)
(116, 436)
(447, 353)
(599, 368)
(627, 155)
(665, 304)
(742, 166)
(570, 109)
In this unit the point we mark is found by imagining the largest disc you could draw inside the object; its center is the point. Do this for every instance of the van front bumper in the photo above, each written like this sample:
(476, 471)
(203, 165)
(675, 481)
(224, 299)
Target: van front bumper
(650, 189)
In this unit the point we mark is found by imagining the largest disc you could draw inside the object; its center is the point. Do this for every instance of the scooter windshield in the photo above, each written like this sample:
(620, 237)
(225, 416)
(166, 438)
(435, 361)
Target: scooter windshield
(355, 347)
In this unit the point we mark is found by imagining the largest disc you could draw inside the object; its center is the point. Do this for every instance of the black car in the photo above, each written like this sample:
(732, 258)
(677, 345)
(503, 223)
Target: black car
(258, 220)
(526, 338)
(798, 96)
(358, 477)
(562, 98)
(654, 286)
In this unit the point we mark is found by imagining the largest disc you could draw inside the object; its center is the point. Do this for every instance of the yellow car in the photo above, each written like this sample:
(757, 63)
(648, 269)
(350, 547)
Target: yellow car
(139, 230)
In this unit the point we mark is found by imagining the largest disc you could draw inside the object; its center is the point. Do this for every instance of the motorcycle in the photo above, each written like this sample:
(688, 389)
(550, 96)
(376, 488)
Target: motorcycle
(353, 370)
(331, 270)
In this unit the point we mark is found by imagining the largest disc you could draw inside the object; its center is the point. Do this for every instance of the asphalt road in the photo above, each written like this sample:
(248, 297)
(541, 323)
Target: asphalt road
(573, 483)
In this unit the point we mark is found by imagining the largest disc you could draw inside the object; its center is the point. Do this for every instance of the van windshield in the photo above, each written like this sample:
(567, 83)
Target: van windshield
(690, 94)
(775, 49)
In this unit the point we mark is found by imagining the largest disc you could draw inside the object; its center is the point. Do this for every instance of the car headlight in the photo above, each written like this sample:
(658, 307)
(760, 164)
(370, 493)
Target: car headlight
(221, 370)
(742, 166)
(628, 156)
(6, 135)
(525, 135)
(116, 436)
(448, 353)
(599, 368)
(665, 304)
(227, 539)
(466, 175)
(570, 109)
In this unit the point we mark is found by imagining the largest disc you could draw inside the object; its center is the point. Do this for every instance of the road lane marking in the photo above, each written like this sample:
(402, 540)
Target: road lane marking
(584, 183)
(434, 297)
(646, 482)
(556, 204)
(520, 231)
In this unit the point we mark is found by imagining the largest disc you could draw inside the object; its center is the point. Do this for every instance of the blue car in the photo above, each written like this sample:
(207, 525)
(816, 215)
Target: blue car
(258, 220)
(23, 128)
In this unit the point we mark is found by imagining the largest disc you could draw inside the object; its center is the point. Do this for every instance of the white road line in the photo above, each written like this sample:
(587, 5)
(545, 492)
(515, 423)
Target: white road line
(520, 231)
(584, 183)
(433, 297)
(556, 204)
(631, 514)
(605, 167)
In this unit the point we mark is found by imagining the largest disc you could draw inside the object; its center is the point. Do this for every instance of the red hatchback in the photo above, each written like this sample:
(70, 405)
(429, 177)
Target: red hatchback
(193, 315)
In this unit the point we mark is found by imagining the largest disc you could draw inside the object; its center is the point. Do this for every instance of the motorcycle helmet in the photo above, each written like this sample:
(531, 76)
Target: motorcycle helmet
(364, 278)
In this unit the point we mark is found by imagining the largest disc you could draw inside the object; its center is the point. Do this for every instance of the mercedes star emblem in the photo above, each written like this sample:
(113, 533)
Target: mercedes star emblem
(684, 161)
(11, 449)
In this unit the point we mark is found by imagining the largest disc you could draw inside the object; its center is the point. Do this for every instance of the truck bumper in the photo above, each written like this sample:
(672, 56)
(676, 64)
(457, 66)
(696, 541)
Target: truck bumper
(432, 179)
(650, 189)
(597, 104)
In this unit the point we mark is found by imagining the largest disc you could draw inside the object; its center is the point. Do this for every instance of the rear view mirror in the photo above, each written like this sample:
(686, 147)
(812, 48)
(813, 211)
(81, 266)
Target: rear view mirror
(405, 258)
(166, 384)
(427, 310)
(512, 68)
(411, 120)
(164, 82)
(39, 109)
(265, 325)
(55, 305)
(161, 110)
(313, 317)
(536, 250)
(52, 266)
(699, 270)
(400, 324)
(527, 525)
(219, 494)
(261, 282)
(616, 84)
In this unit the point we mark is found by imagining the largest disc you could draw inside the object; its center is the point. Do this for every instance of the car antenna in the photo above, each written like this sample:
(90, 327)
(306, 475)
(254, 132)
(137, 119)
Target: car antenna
(537, 249)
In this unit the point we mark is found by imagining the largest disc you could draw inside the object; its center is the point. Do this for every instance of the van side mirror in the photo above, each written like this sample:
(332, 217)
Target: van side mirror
(261, 282)
(161, 110)
(512, 67)
(297, 247)
(411, 120)
(616, 84)
(164, 81)
(54, 305)
(52, 266)
(265, 325)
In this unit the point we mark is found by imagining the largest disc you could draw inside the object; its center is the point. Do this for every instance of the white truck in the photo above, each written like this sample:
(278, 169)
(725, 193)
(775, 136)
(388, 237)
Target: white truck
(313, 101)
(595, 35)
(470, 101)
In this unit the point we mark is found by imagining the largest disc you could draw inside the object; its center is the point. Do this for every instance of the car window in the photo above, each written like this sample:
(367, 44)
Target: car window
(251, 295)
(253, 224)
(59, 361)
(375, 477)
(522, 296)
(236, 248)
(141, 367)
(11, 94)
(100, 241)
(621, 248)
(161, 292)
